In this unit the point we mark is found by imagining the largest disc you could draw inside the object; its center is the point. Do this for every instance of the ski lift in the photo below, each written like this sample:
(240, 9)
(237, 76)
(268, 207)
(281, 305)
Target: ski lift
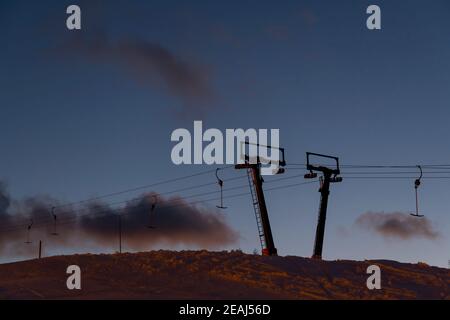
(28, 232)
(220, 183)
(54, 233)
(152, 210)
(329, 175)
(416, 186)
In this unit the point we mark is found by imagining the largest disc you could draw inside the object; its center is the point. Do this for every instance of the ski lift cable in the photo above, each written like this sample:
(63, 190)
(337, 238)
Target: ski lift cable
(347, 178)
(203, 173)
(107, 211)
(161, 194)
(385, 172)
(63, 214)
(139, 188)
(181, 199)
(216, 198)
(381, 177)
(79, 211)
(102, 214)
(380, 166)
(399, 178)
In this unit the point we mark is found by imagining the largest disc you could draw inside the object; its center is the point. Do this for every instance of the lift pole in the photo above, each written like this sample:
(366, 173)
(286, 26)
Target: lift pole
(329, 176)
(270, 249)
(320, 231)
(259, 205)
(259, 201)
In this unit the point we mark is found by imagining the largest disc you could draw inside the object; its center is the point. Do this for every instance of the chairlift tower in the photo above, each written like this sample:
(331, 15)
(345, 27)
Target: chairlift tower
(258, 200)
(329, 176)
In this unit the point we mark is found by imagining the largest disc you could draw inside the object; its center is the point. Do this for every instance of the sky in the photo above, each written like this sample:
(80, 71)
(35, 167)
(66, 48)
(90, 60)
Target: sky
(90, 112)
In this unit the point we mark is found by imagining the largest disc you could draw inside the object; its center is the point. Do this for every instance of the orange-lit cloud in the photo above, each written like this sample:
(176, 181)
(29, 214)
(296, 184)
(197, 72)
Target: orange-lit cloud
(398, 225)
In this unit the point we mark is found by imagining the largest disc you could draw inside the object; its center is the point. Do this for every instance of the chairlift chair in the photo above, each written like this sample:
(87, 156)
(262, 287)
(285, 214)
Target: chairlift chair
(152, 210)
(28, 232)
(220, 183)
(54, 233)
(416, 186)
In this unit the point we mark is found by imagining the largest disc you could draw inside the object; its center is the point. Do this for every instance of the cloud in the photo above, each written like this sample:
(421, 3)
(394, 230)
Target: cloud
(157, 67)
(397, 225)
(175, 222)
(151, 64)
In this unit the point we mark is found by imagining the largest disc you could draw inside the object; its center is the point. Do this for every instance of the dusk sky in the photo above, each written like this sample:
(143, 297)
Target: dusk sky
(83, 113)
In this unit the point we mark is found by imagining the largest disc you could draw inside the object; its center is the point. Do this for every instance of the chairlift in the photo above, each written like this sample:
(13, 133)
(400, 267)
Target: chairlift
(416, 186)
(328, 176)
(152, 210)
(28, 232)
(220, 183)
(54, 233)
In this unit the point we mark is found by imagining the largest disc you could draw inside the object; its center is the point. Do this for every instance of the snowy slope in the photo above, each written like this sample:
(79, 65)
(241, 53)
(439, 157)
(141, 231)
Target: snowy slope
(217, 275)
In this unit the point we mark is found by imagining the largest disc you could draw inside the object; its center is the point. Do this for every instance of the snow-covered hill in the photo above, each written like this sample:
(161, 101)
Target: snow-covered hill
(217, 275)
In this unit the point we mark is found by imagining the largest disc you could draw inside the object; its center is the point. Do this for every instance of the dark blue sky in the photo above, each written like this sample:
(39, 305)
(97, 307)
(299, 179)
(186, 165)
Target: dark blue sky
(75, 125)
